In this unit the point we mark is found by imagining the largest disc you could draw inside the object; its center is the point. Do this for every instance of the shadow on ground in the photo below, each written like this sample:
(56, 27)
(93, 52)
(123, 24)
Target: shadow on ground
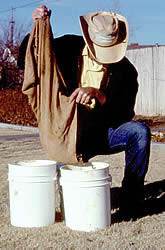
(154, 201)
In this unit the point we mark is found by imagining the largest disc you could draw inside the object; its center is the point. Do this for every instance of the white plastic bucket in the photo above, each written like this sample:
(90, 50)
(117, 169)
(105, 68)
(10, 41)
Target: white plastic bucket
(86, 196)
(32, 193)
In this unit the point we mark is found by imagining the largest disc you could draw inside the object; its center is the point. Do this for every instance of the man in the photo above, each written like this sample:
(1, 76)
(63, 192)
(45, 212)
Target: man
(103, 84)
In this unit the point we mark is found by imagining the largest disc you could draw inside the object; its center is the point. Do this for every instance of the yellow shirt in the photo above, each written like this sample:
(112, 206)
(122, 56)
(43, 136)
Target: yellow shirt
(92, 74)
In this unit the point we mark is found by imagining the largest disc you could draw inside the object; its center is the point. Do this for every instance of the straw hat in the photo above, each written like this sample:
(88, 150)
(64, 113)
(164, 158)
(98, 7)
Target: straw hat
(106, 35)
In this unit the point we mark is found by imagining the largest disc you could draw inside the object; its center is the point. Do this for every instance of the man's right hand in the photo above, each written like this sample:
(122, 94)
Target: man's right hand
(41, 13)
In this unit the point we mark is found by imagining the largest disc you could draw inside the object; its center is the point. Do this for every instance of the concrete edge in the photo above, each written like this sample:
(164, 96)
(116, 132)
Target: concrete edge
(19, 127)
(158, 146)
(154, 145)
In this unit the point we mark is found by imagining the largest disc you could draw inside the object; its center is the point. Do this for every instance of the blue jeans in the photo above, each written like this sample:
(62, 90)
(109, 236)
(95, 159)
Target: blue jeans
(133, 138)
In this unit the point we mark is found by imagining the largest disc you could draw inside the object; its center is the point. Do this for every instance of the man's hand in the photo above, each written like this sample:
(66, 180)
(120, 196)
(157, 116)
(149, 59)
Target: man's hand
(41, 12)
(85, 95)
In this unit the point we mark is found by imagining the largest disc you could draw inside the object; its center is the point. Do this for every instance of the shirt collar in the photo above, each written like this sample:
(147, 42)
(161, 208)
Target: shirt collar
(92, 64)
(85, 51)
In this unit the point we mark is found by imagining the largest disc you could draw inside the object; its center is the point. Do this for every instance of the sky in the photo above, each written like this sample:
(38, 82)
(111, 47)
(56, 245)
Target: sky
(146, 18)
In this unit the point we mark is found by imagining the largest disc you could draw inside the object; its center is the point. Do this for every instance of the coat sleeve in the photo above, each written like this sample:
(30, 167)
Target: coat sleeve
(121, 93)
(22, 52)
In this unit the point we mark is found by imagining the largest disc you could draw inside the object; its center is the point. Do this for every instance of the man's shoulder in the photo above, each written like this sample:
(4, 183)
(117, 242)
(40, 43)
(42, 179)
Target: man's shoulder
(127, 65)
(70, 37)
(69, 42)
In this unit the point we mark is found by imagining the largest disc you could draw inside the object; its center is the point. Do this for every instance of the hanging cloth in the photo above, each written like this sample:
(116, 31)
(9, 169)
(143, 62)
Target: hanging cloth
(47, 94)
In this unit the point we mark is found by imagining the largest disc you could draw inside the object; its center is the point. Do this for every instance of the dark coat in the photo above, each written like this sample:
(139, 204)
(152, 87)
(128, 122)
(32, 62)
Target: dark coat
(121, 89)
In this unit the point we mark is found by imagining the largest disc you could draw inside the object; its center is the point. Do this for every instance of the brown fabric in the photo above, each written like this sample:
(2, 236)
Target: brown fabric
(47, 94)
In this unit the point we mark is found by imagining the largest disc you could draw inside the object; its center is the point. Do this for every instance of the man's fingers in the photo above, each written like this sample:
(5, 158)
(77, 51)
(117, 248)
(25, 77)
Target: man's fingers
(84, 98)
(40, 12)
(80, 97)
(87, 100)
(74, 95)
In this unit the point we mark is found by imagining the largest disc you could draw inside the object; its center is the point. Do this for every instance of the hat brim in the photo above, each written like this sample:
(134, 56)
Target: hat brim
(111, 54)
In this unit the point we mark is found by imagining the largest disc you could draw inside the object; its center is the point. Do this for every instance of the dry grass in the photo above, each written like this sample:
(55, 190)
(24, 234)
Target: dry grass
(146, 232)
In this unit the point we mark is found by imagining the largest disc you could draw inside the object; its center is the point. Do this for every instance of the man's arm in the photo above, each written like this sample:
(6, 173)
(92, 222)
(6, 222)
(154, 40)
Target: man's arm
(22, 52)
(121, 93)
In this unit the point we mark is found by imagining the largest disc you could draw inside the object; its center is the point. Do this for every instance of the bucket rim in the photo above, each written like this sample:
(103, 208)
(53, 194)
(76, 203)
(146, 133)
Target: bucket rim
(103, 165)
(26, 163)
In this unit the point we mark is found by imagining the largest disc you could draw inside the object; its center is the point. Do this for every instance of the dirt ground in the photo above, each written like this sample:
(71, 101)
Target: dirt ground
(145, 232)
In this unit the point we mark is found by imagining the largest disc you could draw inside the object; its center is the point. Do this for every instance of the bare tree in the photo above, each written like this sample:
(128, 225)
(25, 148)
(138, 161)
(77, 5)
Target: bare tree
(19, 31)
(10, 40)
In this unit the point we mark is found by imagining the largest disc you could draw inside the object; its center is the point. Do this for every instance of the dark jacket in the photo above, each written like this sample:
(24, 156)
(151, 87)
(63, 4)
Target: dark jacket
(121, 89)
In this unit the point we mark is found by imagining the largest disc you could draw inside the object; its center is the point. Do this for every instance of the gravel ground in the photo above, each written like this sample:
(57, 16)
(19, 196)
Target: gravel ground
(145, 232)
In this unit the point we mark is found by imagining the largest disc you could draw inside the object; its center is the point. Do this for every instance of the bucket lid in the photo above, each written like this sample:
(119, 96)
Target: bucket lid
(32, 168)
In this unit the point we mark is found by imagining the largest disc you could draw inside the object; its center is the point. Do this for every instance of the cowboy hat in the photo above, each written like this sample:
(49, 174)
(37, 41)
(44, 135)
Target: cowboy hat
(106, 35)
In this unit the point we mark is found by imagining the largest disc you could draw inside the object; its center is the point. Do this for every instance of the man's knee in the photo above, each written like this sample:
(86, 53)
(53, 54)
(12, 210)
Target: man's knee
(142, 133)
